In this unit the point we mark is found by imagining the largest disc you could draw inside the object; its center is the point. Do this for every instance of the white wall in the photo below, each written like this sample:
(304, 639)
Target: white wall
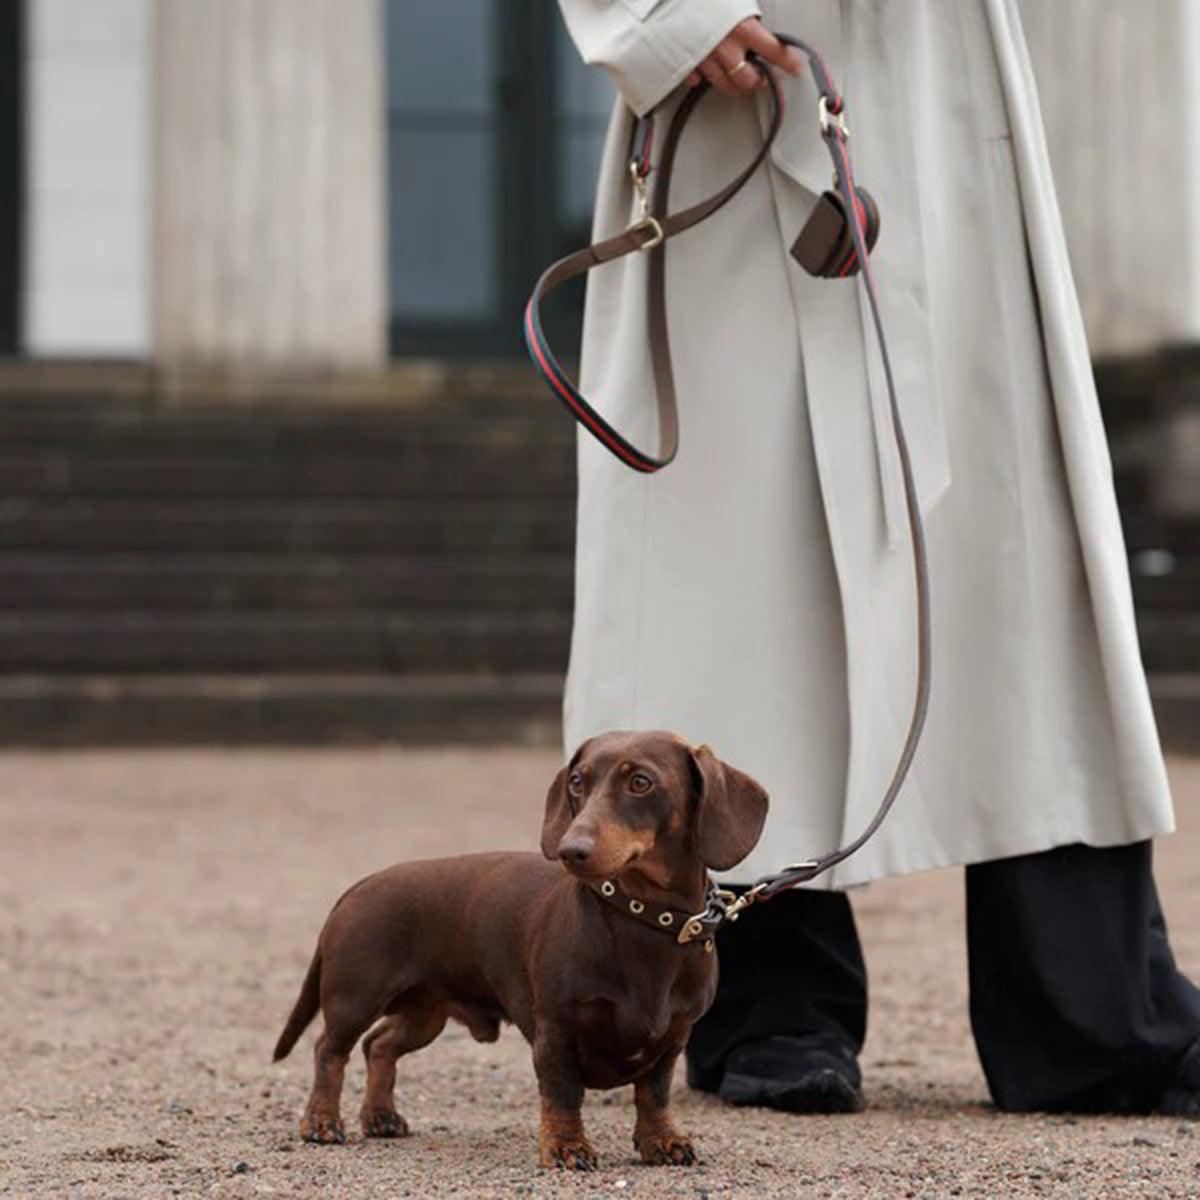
(88, 219)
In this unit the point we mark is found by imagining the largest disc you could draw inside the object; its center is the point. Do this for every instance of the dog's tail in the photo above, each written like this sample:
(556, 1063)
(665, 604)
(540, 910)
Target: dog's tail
(307, 1004)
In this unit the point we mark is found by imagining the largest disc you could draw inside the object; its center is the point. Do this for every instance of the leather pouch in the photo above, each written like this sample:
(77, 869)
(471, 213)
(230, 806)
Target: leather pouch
(825, 246)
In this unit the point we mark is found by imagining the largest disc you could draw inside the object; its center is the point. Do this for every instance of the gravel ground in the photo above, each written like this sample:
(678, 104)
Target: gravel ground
(159, 909)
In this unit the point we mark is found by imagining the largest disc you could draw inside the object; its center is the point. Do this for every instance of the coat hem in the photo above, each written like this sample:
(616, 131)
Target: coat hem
(1000, 848)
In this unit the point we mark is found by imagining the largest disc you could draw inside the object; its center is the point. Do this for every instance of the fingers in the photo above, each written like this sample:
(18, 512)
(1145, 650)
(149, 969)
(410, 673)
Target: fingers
(729, 54)
(754, 35)
(750, 34)
(715, 73)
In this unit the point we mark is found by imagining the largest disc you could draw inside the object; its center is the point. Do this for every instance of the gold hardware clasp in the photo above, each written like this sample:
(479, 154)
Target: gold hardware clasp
(645, 220)
(827, 118)
(655, 228)
(738, 903)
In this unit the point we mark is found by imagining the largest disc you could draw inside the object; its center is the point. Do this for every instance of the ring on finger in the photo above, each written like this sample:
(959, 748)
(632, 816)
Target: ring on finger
(732, 71)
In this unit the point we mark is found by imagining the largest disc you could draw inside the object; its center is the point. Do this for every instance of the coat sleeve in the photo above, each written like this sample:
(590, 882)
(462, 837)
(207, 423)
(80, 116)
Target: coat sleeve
(650, 46)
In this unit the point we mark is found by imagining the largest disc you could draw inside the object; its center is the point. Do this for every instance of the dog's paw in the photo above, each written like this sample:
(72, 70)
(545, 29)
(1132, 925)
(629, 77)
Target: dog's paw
(327, 1131)
(666, 1150)
(383, 1123)
(569, 1154)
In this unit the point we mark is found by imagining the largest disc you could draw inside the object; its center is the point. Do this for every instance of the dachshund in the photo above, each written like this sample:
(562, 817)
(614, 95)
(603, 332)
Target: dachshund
(597, 950)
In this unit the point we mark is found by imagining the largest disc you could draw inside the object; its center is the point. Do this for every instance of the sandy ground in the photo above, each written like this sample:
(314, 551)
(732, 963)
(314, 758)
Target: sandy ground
(158, 910)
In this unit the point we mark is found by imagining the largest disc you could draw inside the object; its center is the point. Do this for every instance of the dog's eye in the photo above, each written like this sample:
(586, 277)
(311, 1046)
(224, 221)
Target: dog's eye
(575, 783)
(640, 783)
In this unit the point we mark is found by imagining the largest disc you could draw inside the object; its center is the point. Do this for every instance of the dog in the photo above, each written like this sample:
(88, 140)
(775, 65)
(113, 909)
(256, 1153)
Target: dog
(583, 948)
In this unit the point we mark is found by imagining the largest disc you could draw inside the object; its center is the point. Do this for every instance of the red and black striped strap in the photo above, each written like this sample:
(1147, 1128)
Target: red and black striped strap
(643, 234)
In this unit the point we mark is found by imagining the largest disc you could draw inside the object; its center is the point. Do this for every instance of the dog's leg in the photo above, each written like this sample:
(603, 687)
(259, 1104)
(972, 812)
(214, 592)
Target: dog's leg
(322, 1120)
(655, 1136)
(414, 1026)
(561, 1140)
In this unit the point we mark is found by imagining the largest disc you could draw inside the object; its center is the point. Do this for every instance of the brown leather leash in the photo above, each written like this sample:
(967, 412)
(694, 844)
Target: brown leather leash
(824, 248)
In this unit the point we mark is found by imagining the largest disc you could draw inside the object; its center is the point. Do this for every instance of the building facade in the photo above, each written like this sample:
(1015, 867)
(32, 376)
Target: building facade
(288, 182)
(309, 185)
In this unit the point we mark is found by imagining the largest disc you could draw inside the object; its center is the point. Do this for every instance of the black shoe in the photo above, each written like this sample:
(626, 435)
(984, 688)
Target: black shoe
(1182, 1096)
(795, 1074)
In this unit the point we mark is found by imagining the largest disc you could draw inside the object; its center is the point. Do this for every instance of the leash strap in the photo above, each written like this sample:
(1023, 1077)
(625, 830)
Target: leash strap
(652, 228)
(648, 232)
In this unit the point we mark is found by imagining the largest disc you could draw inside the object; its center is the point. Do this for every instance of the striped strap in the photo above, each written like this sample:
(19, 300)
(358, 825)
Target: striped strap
(649, 233)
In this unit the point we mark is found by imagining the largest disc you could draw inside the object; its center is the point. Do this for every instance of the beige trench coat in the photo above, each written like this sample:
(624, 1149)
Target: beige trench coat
(757, 594)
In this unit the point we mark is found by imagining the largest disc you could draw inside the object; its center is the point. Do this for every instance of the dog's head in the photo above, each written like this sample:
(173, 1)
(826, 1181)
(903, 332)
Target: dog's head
(651, 799)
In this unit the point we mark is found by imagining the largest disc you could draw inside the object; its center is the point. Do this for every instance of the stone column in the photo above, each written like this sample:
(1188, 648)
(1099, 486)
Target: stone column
(270, 185)
(1118, 84)
(86, 289)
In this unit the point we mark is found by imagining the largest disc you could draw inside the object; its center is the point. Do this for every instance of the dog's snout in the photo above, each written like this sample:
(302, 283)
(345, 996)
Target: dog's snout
(576, 849)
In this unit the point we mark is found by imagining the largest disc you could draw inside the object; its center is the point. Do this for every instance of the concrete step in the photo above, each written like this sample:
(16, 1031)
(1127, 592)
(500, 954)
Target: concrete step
(446, 638)
(285, 640)
(1178, 535)
(252, 581)
(74, 710)
(1177, 710)
(206, 708)
(1170, 640)
(1173, 583)
(94, 422)
(215, 524)
(410, 471)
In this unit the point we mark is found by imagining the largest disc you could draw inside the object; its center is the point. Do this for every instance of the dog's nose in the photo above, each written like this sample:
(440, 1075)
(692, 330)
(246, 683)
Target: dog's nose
(576, 850)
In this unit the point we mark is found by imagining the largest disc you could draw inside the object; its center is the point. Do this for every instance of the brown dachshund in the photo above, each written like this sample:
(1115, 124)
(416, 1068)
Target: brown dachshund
(581, 953)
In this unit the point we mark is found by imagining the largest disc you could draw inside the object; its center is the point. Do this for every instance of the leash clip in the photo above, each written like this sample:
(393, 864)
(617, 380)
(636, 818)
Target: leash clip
(737, 903)
(721, 905)
(645, 220)
(717, 902)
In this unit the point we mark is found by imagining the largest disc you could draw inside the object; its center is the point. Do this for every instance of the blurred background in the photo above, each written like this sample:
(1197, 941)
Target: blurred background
(273, 466)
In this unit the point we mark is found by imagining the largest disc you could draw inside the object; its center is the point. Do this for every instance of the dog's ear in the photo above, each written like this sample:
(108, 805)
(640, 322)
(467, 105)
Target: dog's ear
(731, 812)
(559, 813)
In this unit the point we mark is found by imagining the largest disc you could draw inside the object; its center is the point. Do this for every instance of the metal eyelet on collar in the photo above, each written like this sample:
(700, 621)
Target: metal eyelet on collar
(665, 919)
(636, 906)
(608, 888)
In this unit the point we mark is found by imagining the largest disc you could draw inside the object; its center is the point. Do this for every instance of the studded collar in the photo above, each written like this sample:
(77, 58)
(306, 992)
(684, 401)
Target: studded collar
(682, 926)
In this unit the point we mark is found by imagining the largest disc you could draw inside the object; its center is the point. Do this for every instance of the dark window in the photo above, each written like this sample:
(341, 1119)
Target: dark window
(495, 128)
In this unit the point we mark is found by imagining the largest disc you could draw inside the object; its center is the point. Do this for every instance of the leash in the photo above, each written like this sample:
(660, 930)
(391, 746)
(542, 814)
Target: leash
(823, 248)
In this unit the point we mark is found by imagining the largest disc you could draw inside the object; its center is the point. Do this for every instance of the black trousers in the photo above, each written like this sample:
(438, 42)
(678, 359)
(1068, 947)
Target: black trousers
(1076, 1002)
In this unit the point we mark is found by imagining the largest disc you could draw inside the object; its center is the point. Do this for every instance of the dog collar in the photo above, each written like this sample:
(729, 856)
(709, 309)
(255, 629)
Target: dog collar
(682, 926)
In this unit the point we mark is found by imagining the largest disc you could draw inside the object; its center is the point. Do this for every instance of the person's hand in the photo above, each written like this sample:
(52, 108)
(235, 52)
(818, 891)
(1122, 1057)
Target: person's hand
(721, 68)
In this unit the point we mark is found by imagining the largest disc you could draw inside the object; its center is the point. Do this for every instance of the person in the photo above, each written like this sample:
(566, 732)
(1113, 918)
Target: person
(758, 593)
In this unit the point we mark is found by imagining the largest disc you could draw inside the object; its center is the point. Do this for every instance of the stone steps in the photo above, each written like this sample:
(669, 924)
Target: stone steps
(307, 567)
(382, 640)
(430, 471)
(290, 569)
(253, 581)
(213, 524)
(207, 709)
